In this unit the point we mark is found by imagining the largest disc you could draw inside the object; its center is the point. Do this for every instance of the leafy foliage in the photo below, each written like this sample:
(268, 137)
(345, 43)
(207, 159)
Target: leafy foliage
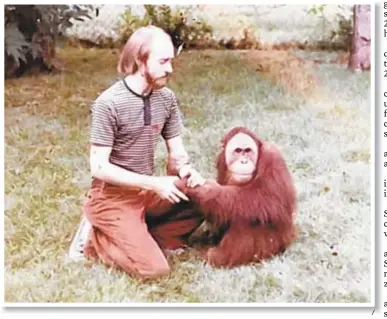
(342, 33)
(31, 32)
(190, 32)
(317, 9)
(15, 42)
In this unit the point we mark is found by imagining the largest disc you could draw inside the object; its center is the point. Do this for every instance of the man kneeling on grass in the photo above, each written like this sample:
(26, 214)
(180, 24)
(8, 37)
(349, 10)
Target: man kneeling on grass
(127, 120)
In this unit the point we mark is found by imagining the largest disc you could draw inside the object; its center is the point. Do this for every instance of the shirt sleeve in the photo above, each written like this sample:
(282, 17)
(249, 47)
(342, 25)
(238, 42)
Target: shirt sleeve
(103, 124)
(174, 124)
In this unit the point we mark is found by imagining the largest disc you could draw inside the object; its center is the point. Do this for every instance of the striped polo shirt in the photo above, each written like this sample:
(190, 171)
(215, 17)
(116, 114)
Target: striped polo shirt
(131, 124)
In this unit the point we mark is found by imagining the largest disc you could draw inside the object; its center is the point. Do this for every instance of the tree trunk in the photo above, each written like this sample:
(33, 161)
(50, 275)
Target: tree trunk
(360, 56)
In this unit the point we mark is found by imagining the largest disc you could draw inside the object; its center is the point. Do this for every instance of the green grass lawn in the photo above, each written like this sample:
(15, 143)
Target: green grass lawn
(326, 141)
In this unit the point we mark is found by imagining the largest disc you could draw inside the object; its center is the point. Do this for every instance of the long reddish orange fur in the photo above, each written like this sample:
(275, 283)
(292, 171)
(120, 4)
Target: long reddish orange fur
(258, 214)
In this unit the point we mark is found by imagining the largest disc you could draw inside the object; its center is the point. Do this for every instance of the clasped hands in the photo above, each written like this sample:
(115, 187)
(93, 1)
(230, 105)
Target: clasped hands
(194, 177)
(169, 187)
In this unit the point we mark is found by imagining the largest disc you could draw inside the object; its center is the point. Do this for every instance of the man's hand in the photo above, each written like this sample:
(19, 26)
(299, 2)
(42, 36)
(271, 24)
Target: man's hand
(164, 186)
(194, 178)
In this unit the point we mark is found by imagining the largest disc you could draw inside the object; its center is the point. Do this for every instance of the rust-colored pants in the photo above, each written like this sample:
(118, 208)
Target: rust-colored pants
(131, 227)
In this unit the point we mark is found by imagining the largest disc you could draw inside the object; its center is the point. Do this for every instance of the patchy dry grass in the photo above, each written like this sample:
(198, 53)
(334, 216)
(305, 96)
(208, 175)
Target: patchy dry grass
(285, 69)
(326, 143)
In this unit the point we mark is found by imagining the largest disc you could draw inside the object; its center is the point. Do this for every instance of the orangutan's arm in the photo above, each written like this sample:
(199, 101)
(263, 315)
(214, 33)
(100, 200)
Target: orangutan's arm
(265, 202)
(214, 200)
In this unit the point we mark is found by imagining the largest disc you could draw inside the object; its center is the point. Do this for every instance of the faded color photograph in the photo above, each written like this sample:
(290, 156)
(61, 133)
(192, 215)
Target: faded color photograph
(188, 154)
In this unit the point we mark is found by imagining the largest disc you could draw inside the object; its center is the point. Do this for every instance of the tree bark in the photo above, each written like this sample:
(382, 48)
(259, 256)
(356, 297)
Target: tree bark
(360, 55)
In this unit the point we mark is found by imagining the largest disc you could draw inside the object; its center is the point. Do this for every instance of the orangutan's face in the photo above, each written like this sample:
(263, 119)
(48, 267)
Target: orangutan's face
(241, 157)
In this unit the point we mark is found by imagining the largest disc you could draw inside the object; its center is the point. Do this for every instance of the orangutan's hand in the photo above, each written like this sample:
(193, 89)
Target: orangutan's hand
(194, 177)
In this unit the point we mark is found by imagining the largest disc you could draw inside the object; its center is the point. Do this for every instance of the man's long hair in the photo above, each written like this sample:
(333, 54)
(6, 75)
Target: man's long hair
(137, 48)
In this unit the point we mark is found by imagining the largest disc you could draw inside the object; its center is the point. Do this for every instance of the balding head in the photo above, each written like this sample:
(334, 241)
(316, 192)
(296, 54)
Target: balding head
(145, 43)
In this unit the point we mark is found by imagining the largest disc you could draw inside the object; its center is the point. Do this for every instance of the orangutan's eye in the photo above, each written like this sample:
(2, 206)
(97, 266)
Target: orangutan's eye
(238, 150)
(248, 150)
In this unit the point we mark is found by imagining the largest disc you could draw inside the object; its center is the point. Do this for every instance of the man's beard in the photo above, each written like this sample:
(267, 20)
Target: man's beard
(156, 83)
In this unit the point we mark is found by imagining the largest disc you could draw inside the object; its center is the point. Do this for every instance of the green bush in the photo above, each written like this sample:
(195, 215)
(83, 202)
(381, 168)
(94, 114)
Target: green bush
(344, 31)
(340, 36)
(196, 34)
(31, 31)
